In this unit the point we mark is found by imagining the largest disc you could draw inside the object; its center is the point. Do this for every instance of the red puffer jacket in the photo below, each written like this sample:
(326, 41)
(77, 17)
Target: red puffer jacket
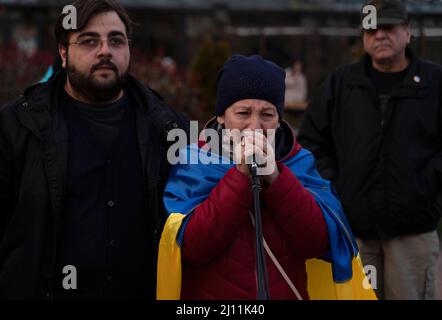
(219, 247)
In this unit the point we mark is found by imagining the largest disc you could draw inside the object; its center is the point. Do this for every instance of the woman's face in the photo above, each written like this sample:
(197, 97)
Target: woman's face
(250, 114)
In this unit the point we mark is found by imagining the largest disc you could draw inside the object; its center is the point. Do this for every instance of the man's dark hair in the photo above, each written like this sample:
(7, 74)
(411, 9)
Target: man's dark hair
(86, 9)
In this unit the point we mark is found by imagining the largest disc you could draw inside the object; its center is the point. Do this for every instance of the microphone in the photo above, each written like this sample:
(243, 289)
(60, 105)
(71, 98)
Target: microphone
(253, 166)
(255, 161)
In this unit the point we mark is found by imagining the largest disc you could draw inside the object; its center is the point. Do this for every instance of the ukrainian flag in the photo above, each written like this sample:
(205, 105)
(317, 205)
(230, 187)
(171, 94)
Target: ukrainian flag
(337, 275)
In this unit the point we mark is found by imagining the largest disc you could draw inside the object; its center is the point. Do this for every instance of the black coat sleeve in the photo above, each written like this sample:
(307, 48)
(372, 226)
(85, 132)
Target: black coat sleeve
(6, 186)
(315, 133)
(434, 167)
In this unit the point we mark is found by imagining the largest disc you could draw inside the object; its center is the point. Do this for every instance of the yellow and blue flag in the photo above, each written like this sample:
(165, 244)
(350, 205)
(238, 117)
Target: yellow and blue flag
(337, 275)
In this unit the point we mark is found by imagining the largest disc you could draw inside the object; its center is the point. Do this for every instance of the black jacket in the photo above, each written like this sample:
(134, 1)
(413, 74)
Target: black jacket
(33, 164)
(385, 165)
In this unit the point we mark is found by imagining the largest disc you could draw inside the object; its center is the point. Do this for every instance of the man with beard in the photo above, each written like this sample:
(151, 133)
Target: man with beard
(82, 170)
(376, 131)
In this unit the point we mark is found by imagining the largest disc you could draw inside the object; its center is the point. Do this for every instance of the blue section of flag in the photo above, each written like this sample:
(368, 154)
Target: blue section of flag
(191, 182)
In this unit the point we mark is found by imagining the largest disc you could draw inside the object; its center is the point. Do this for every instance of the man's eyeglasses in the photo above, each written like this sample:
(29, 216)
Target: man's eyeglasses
(94, 43)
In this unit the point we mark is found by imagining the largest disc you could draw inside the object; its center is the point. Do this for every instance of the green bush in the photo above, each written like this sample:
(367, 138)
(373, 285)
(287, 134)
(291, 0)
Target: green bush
(209, 58)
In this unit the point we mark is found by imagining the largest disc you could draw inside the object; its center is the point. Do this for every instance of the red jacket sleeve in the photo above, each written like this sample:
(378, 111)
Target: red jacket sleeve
(214, 223)
(298, 215)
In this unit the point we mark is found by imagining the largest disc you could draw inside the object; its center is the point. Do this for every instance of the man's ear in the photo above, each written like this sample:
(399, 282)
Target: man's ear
(220, 119)
(409, 34)
(63, 51)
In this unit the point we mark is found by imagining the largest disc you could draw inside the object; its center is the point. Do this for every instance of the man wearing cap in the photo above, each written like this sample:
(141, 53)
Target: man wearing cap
(375, 129)
(211, 209)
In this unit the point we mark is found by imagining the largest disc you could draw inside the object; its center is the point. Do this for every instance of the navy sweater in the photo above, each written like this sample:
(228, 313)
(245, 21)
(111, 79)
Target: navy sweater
(105, 229)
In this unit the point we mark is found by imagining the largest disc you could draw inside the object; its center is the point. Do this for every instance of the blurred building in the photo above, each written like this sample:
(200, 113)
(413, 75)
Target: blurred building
(322, 33)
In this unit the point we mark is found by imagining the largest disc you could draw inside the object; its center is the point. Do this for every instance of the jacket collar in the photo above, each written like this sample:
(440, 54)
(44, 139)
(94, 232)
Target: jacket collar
(45, 95)
(39, 103)
(412, 83)
(39, 111)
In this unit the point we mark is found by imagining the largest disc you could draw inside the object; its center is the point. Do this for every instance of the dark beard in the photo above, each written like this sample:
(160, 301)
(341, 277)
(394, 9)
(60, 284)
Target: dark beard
(86, 86)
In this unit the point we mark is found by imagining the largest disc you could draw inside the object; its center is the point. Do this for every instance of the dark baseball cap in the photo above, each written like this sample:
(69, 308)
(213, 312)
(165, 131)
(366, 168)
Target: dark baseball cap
(389, 12)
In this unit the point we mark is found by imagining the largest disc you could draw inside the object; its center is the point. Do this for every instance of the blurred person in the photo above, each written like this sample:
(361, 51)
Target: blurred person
(53, 69)
(169, 65)
(375, 130)
(82, 169)
(26, 39)
(295, 87)
(210, 229)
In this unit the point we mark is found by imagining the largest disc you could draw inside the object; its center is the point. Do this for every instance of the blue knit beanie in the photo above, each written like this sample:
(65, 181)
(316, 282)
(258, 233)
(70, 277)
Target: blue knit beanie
(251, 77)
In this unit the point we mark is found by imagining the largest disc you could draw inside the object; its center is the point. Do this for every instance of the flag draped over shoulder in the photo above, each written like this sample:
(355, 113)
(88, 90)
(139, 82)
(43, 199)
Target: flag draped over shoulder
(337, 275)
